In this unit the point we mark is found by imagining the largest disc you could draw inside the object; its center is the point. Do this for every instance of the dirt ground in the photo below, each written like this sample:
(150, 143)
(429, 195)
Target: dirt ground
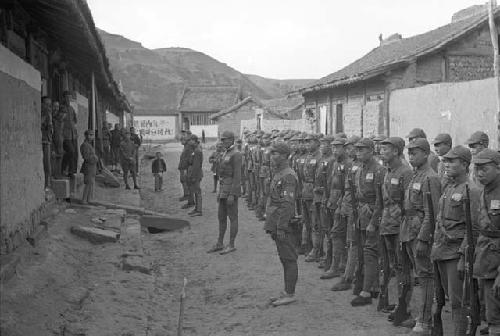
(68, 286)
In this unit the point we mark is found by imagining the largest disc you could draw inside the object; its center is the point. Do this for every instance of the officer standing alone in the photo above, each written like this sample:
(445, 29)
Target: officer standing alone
(280, 209)
(229, 192)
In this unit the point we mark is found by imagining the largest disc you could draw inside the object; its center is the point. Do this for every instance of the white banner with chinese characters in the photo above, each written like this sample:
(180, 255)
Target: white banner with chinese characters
(155, 127)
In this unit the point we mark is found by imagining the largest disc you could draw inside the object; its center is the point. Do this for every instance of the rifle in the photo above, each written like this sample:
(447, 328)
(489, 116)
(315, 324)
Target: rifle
(470, 299)
(359, 277)
(383, 300)
(437, 325)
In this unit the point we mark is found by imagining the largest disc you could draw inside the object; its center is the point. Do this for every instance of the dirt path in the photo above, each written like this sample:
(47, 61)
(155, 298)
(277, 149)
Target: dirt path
(227, 295)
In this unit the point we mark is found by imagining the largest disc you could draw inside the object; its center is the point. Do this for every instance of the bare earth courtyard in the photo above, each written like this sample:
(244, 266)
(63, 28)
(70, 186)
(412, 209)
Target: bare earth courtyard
(67, 286)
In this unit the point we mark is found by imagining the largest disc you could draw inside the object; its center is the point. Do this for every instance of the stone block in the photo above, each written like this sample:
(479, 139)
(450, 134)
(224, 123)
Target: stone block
(136, 263)
(39, 233)
(95, 235)
(131, 236)
(60, 187)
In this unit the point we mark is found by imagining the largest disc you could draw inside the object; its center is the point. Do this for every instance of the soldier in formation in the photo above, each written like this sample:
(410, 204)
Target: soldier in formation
(363, 213)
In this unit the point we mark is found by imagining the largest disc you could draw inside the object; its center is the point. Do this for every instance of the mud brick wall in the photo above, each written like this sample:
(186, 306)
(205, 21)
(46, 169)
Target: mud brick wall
(464, 68)
(22, 192)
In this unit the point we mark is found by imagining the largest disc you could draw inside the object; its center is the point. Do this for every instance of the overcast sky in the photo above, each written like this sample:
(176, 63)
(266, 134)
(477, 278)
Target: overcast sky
(277, 39)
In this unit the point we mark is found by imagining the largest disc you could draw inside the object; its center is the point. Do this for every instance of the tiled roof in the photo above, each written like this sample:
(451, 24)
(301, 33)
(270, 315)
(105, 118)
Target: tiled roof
(244, 102)
(285, 104)
(400, 52)
(208, 98)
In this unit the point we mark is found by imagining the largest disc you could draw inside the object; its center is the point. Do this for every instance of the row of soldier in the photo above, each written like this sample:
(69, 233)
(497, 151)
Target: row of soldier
(365, 214)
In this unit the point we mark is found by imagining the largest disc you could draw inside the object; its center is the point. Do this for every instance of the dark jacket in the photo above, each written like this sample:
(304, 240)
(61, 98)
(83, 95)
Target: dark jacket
(158, 166)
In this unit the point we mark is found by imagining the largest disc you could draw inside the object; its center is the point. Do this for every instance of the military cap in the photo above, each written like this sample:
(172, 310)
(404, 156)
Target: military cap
(397, 142)
(459, 152)
(339, 141)
(487, 156)
(365, 142)
(193, 137)
(227, 135)
(416, 133)
(421, 143)
(352, 140)
(442, 138)
(280, 147)
(478, 137)
(327, 138)
(379, 137)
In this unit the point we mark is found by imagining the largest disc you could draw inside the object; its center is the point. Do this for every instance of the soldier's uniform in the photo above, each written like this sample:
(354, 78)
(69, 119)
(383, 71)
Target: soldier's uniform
(264, 176)
(214, 161)
(487, 254)
(308, 201)
(338, 223)
(182, 167)
(230, 187)
(251, 172)
(396, 181)
(279, 211)
(449, 237)
(127, 153)
(346, 214)
(194, 176)
(416, 228)
(322, 219)
(257, 163)
(366, 180)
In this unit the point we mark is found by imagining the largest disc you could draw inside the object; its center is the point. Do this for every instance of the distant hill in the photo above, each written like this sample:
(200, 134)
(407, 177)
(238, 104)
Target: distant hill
(279, 87)
(155, 79)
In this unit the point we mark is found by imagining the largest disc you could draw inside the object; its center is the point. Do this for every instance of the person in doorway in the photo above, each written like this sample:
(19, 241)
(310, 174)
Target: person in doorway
(70, 136)
(89, 166)
(229, 192)
(280, 209)
(116, 139)
(158, 168)
(127, 152)
(57, 139)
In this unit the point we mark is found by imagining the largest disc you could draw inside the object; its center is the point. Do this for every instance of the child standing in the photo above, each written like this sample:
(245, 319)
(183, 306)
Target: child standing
(158, 168)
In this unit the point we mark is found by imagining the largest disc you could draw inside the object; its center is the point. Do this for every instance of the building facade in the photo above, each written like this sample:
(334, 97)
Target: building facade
(356, 99)
(46, 48)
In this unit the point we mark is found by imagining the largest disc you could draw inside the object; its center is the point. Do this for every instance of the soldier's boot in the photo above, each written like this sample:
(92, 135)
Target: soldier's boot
(459, 320)
(423, 327)
(333, 271)
(198, 210)
(343, 285)
(329, 255)
(313, 256)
